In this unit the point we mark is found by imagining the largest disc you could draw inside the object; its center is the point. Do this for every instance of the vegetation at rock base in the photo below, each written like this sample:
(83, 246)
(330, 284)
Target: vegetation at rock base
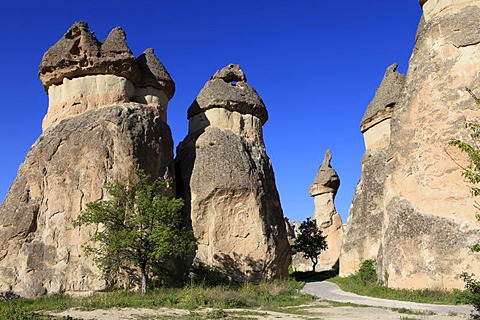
(365, 282)
(472, 174)
(138, 229)
(267, 296)
(310, 241)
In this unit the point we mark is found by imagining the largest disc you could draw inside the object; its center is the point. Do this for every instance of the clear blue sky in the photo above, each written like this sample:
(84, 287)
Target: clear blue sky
(316, 64)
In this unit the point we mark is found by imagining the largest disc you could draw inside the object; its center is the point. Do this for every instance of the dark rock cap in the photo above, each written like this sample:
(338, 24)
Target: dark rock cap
(154, 73)
(79, 53)
(386, 96)
(422, 2)
(327, 179)
(228, 89)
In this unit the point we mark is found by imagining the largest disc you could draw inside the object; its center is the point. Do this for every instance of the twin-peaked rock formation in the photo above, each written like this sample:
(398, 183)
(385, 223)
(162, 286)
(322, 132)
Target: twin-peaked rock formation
(227, 180)
(323, 191)
(107, 114)
(413, 210)
(80, 74)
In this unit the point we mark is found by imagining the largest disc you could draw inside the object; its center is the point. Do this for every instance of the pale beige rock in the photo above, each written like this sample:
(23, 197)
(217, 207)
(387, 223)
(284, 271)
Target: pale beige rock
(77, 95)
(228, 183)
(245, 125)
(430, 213)
(65, 169)
(99, 126)
(378, 136)
(412, 202)
(364, 230)
(438, 8)
(323, 191)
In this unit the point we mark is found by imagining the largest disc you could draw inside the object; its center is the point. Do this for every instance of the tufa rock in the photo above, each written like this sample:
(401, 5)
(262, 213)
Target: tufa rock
(154, 74)
(79, 53)
(81, 74)
(423, 177)
(421, 200)
(228, 184)
(323, 191)
(364, 231)
(327, 179)
(98, 126)
(65, 169)
(387, 95)
(228, 89)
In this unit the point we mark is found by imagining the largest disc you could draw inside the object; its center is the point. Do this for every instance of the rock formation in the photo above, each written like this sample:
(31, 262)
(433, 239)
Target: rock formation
(106, 115)
(323, 191)
(79, 74)
(429, 213)
(364, 230)
(228, 182)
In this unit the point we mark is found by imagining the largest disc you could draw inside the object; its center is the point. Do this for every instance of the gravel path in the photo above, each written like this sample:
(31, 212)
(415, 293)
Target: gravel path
(329, 291)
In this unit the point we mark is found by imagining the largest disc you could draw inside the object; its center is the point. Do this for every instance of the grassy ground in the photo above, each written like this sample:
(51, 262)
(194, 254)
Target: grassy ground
(373, 289)
(269, 296)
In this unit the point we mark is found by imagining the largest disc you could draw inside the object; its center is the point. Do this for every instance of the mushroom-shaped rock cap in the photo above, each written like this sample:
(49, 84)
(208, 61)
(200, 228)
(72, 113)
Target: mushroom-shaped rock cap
(327, 179)
(386, 96)
(154, 73)
(79, 53)
(228, 89)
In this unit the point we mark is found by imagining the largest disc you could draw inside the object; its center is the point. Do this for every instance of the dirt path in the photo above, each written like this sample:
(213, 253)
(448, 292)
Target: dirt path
(318, 310)
(329, 291)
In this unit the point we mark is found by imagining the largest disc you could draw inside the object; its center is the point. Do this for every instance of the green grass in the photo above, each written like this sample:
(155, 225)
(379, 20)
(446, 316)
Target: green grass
(266, 296)
(452, 297)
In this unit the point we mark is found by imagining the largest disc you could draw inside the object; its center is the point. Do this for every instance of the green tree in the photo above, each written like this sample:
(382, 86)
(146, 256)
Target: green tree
(472, 174)
(310, 241)
(138, 228)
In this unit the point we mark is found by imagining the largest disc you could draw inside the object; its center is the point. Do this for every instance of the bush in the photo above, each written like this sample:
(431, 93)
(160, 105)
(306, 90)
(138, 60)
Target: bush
(473, 285)
(367, 274)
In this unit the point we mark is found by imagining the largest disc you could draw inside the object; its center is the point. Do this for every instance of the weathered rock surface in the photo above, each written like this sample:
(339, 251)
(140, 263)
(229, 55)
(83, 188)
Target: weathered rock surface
(323, 191)
(80, 73)
(79, 53)
(228, 183)
(424, 183)
(65, 169)
(99, 139)
(429, 213)
(363, 234)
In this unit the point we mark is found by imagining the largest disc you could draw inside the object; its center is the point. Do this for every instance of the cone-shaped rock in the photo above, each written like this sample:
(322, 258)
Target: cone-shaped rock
(430, 212)
(421, 200)
(67, 167)
(154, 73)
(228, 182)
(326, 179)
(364, 231)
(323, 191)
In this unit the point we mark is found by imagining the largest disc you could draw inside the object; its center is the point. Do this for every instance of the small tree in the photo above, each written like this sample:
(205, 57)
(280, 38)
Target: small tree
(138, 227)
(472, 174)
(310, 241)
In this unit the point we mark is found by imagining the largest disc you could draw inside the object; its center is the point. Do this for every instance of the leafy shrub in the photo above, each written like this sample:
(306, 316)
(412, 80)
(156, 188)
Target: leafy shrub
(473, 285)
(367, 274)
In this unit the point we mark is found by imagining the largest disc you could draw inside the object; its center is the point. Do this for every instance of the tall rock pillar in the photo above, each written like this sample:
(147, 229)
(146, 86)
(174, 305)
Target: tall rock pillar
(364, 231)
(106, 114)
(430, 212)
(323, 191)
(227, 181)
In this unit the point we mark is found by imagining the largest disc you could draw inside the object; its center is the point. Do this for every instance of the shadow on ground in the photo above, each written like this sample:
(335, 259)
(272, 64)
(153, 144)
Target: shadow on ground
(310, 276)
